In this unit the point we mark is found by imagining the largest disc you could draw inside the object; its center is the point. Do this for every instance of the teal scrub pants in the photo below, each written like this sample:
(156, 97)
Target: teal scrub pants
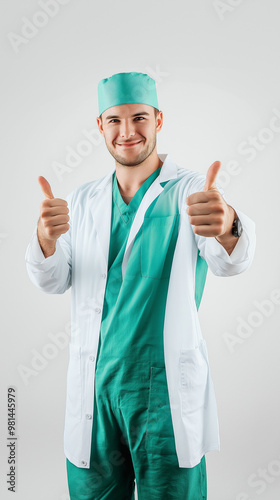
(132, 438)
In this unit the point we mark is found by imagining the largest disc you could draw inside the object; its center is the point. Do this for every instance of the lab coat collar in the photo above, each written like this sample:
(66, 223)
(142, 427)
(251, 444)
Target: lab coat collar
(168, 171)
(101, 206)
(169, 168)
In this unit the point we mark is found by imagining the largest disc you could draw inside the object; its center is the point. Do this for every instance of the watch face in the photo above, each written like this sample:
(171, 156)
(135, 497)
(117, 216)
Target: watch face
(237, 228)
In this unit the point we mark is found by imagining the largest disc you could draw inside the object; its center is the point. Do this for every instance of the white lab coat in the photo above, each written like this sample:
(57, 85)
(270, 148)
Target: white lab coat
(80, 260)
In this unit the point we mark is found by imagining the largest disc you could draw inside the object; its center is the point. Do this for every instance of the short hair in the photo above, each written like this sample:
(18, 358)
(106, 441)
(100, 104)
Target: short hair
(156, 111)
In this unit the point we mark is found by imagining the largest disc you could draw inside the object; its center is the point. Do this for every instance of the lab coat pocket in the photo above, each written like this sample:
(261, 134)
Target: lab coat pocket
(159, 235)
(74, 389)
(193, 381)
(159, 439)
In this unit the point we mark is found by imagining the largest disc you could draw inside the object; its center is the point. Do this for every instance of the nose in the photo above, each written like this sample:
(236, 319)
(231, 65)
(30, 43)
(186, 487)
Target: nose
(127, 130)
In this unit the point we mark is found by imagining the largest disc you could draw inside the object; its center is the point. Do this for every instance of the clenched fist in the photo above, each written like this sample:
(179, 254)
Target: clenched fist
(53, 219)
(209, 213)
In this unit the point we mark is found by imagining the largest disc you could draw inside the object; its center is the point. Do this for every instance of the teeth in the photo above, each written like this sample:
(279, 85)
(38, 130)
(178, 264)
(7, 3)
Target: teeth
(130, 144)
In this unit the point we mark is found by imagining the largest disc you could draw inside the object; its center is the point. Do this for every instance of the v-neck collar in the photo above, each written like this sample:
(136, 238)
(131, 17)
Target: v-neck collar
(135, 201)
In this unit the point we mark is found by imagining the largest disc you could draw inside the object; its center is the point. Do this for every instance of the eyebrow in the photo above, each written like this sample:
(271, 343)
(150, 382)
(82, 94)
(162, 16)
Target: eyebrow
(136, 114)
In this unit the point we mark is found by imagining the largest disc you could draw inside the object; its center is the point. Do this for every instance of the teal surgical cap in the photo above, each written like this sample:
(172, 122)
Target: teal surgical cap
(127, 88)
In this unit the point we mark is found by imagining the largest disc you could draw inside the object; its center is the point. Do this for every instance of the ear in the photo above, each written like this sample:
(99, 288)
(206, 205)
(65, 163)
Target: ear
(100, 125)
(159, 121)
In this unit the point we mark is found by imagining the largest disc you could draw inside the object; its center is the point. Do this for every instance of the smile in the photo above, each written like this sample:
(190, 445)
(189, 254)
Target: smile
(129, 145)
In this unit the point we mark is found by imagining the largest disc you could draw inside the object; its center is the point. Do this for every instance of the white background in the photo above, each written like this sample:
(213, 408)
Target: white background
(217, 70)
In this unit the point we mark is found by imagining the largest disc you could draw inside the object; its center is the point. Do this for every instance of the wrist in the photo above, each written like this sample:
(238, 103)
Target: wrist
(232, 215)
(228, 240)
(47, 246)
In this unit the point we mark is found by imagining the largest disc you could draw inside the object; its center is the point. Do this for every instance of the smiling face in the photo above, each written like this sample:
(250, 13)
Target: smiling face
(130, 132)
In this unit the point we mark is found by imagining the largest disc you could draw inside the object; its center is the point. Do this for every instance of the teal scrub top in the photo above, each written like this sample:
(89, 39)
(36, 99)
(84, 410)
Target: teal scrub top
(134, 307)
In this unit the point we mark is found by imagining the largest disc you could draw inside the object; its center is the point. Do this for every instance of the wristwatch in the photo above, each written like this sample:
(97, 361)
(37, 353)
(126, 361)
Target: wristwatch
(237, 227)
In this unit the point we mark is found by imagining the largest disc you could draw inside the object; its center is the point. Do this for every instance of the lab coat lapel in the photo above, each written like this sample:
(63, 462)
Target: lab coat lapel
(168, 171)
(100, 205)
(154, 190)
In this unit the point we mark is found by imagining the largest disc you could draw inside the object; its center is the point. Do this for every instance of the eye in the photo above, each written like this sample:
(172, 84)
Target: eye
(114, 119)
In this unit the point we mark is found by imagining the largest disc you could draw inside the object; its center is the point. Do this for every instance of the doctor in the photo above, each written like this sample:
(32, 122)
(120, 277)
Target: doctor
(135, 247)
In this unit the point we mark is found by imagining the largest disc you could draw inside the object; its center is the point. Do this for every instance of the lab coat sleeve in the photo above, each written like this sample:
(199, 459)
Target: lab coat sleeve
(51, 274)
(216, 256)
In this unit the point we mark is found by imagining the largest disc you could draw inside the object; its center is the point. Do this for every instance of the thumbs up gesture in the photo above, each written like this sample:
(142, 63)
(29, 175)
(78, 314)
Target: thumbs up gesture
(53, 219)
(209, 213)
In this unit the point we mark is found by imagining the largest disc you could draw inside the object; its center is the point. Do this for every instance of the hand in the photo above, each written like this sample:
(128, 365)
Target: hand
(209, 213)
(54, 215)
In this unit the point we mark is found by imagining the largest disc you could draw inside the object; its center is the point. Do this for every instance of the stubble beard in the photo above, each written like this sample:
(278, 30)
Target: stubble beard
(140, 158)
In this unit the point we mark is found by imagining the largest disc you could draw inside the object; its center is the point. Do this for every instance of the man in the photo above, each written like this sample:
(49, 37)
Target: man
(135, 246)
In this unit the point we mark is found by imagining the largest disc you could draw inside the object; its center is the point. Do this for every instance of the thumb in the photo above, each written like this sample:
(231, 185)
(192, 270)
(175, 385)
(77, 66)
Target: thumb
(211, 175)
(46, 188)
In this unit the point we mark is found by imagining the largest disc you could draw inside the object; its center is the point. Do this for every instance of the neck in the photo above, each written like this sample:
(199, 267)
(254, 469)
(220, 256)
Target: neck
(131, 178)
